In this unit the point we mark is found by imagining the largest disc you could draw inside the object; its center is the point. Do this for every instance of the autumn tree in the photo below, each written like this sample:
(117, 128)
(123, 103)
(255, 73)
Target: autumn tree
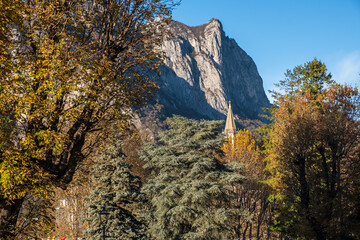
(253, 194)
(69, 205)
(10, 15)
(72, 205)
(36, 218)
(69, 70)
(243, 148)
(314, 142)
(150, 122)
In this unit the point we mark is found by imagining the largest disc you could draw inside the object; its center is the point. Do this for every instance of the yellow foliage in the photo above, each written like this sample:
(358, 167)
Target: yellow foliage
(67, 82)
(242, 147)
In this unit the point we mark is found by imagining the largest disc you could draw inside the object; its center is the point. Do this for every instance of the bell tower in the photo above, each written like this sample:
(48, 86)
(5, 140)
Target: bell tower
(230, 127)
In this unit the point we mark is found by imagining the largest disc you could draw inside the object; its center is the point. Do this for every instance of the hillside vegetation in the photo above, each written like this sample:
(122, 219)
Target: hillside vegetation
(72, 74)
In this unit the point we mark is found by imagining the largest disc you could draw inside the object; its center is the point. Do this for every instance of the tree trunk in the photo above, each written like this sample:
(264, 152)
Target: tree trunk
(245, 230)
(8, 217)
(250, 231)
(305, 201)
(339, 199)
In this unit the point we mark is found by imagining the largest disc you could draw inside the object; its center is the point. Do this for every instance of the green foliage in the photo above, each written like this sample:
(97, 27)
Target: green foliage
(119, 192)
(311, 77)
(191, 192)
(68, 71)
(314, 141)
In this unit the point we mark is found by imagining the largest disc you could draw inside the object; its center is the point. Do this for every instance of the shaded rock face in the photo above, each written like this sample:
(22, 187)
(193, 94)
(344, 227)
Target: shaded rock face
(204, 69)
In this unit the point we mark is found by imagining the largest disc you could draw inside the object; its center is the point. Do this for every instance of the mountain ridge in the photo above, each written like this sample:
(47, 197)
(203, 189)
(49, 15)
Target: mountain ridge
(203, 70)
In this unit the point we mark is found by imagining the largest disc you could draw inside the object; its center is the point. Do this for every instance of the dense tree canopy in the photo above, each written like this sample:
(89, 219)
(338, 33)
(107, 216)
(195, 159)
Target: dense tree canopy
(68, 70)
(191, 193)
(314, 155)
(310, 78)
(245, 147)
(118, 191)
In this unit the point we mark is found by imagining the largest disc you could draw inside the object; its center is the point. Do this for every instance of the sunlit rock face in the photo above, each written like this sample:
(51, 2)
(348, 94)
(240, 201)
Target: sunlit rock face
(204, 70)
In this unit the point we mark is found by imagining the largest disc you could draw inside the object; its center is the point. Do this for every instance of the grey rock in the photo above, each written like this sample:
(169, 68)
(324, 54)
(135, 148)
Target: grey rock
(204, 69)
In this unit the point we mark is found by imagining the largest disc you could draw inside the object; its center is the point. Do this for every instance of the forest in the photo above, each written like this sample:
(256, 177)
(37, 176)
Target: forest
(76, 73)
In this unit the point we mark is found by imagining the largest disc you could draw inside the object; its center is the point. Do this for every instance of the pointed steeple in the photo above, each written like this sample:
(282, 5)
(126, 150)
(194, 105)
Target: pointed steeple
(230, 127)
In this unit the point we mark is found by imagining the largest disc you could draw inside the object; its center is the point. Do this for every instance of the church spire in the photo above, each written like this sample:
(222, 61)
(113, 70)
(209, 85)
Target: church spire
(230, 127)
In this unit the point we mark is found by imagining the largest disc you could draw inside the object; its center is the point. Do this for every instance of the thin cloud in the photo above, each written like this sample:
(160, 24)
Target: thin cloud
(347, 69)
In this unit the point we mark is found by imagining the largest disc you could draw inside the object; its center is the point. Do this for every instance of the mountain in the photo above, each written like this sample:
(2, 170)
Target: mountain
(204, 70)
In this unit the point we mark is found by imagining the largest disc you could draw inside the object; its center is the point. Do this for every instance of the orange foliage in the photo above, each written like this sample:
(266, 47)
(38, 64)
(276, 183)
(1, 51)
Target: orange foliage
(242, 148)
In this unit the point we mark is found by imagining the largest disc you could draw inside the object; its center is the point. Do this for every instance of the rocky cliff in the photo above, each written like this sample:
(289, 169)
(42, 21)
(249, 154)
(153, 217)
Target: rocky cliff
(204, 69)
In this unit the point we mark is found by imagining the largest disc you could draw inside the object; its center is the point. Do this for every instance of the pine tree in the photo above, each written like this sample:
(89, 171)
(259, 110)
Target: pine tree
(119, 192)
(191, 192)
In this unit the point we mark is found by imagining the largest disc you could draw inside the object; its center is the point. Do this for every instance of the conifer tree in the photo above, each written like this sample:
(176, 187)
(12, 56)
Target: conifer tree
(191, 192)
(119, 192)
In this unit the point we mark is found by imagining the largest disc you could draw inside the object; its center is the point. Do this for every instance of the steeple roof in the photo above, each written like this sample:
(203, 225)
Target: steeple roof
(230, 127)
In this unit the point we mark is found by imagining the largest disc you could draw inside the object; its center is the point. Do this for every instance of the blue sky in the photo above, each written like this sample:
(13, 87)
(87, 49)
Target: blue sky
(281, 34)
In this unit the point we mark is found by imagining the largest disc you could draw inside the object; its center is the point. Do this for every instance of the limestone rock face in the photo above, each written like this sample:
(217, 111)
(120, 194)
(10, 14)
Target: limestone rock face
(204, 69)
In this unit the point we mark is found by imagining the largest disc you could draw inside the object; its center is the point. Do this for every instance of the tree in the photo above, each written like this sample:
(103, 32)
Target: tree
(310, 78)
(35, 218)
(70, 69)
(10, 14)
(246, 148)
(242, 147)
(314, 141)
(70, 206)
(191, 192)
(119, 192)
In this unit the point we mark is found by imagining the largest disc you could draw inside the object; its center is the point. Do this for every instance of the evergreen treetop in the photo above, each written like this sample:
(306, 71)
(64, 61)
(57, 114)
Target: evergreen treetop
(191, 191)
(119, 192)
